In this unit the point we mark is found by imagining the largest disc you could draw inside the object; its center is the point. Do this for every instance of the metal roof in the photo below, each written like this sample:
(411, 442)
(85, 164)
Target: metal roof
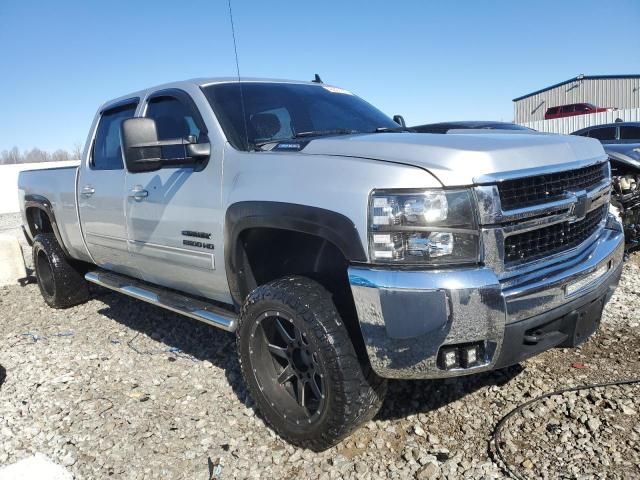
(574, 79)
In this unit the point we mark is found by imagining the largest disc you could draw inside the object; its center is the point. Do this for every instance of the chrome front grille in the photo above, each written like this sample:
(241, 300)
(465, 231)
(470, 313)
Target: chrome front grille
(532, 245)
(533, 220)
(534, 190)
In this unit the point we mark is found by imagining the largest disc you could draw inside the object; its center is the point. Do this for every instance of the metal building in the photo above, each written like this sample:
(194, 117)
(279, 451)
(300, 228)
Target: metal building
(618, 91)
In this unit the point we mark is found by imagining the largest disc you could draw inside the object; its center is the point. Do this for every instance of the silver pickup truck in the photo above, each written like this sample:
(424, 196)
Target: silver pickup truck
(340, 248)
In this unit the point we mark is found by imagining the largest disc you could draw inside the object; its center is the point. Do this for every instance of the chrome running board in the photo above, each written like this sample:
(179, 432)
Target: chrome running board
(182, 304)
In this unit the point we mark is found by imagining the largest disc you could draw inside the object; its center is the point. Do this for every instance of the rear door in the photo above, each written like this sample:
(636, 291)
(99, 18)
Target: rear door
(174, 215)
(101, 185)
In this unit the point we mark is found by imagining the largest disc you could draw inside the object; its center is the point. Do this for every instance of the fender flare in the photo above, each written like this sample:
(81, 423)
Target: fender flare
(42, 203)
(329, 225)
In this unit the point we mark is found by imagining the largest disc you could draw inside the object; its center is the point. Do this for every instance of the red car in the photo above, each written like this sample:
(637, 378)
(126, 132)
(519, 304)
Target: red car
(573, 109)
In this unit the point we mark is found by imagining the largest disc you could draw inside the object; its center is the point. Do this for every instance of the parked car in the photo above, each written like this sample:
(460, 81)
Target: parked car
(340, 249)
(444, 127)
(573, 109)
(621, 142)
(619, 132)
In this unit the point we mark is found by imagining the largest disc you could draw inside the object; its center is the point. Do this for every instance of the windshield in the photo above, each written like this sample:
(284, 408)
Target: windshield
(280, 111)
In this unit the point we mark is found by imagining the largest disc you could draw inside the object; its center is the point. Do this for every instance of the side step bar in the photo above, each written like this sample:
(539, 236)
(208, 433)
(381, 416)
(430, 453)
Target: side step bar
(206, 312)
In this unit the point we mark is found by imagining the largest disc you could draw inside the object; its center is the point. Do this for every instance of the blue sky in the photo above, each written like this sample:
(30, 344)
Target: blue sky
(429, 61)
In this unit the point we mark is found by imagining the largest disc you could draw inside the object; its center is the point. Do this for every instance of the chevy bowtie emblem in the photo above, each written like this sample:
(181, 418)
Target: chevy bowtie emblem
(579, 209)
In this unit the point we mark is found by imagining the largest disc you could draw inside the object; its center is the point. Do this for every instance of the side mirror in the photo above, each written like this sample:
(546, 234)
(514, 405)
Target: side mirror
(142, 150)
(399, 120)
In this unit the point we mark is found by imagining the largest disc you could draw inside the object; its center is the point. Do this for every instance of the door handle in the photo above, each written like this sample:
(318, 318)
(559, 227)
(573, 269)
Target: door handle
(138, 193)
(87, 191)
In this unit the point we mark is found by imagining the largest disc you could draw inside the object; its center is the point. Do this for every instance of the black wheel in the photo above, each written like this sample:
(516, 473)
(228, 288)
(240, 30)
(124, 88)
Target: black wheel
(301, 367)
(61, 284)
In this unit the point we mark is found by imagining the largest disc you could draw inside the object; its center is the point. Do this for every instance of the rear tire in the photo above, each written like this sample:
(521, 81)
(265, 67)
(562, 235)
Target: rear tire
(301, 367)
(62, 284)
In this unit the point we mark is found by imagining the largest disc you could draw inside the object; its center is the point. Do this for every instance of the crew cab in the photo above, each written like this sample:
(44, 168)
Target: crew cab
(340, 248)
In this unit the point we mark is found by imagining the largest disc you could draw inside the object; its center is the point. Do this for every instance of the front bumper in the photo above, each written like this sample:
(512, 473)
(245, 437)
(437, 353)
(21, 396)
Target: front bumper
(407, 317)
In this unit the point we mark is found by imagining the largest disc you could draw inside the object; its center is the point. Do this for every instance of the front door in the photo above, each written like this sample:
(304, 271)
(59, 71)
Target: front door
(101, 192)
(173, 214)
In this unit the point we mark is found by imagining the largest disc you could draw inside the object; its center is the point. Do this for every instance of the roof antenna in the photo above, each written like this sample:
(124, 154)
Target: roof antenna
(317, 79)
(235, 49)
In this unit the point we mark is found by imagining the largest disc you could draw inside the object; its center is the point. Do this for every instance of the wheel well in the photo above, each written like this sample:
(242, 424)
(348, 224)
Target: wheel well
(38, 221)
(272, 253)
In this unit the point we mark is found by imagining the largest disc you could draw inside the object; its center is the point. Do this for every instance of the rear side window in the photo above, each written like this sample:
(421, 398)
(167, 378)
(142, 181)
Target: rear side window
(568, 109)
(630, 133)
(107, 154)
(606, 133)
(552, 110)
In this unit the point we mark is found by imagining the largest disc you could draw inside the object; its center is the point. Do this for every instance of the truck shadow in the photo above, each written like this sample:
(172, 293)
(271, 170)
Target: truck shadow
(408, 397)
(3, 375)
(176, 335)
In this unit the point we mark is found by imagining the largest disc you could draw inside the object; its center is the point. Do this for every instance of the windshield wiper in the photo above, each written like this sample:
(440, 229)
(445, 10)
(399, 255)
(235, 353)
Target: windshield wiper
(392, 129)
(310, 133)
(258, 145)
(321, 133)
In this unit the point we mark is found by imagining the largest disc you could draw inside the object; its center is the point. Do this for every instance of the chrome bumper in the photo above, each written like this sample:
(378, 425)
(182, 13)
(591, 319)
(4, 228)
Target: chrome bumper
(407, 316)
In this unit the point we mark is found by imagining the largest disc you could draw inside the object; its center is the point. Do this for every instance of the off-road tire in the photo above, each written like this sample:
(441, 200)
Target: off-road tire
(61, 283)
(354, 393)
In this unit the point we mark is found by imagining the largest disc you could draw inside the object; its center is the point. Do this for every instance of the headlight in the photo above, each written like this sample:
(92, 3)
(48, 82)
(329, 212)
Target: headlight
(429, 227)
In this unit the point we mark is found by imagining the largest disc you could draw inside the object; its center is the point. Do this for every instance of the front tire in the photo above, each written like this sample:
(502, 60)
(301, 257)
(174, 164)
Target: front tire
(301, 367)
(62, 284)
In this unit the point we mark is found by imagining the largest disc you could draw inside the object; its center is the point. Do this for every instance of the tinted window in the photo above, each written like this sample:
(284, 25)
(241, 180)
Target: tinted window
(606, 133)
(305, 107)
(440, 128)
(173, 118)
(553, 110)
(581, 107)
(630, 133)
(107, 154)
(567, 108)
(507, 126)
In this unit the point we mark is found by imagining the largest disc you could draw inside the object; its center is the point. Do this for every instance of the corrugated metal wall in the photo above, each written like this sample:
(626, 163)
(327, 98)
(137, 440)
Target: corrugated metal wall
(622, 93)
(571, 124)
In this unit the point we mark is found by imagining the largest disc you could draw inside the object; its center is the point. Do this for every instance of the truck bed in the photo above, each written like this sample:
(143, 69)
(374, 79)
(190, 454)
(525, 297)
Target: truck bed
(58, 186)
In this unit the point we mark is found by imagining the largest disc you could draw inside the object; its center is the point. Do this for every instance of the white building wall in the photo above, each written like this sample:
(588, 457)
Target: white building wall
(622, 93)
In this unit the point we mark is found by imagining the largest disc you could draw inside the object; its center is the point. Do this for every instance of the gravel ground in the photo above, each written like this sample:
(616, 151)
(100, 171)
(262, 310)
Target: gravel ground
(118, 388)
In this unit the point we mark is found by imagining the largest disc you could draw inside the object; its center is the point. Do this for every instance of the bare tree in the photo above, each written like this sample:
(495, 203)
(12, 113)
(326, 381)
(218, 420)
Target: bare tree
(9, 157)
(76, 152)
(35, 155)
(60, 156)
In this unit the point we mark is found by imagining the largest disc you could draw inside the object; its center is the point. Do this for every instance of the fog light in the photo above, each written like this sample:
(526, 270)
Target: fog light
(470, 356)
(461, 356)
(450, 359)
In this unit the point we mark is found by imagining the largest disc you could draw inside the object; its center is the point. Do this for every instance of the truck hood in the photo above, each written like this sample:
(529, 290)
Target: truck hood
(462, 159)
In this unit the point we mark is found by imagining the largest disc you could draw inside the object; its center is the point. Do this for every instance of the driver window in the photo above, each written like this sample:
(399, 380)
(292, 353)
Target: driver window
(173, 118)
